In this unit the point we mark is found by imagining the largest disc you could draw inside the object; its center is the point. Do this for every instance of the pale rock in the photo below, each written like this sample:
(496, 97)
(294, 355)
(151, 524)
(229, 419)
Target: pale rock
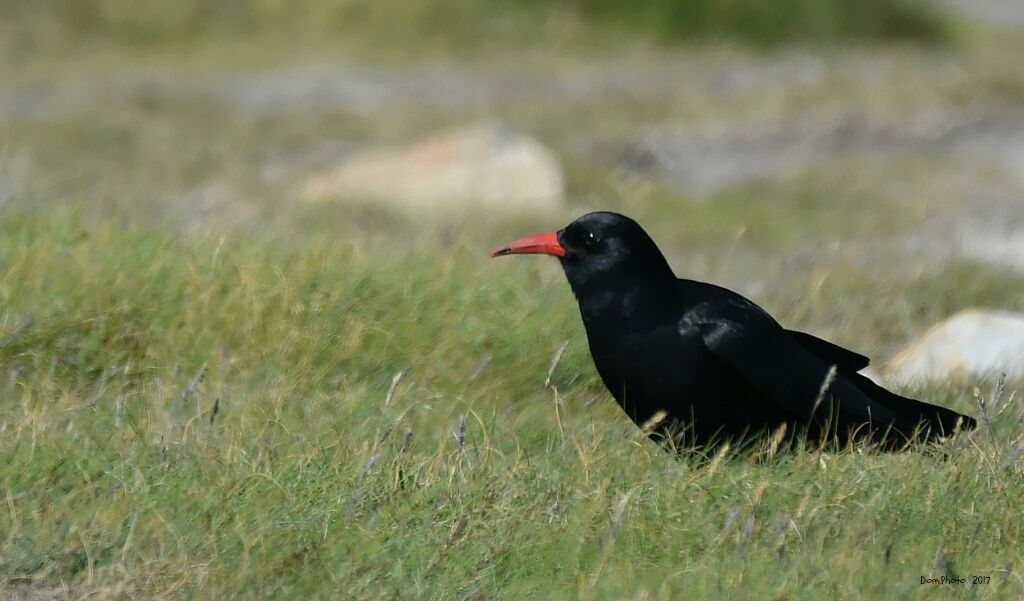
(481, 166)
(972, 343)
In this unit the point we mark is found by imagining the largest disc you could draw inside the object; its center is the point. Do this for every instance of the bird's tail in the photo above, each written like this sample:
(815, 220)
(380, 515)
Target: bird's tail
(916, 420)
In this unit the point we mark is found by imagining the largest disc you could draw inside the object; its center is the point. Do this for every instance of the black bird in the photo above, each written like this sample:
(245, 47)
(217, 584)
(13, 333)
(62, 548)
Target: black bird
(705, 364)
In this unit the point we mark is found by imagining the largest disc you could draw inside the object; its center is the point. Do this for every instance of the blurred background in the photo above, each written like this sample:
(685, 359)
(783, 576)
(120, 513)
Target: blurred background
(252, 344)
(864, 144)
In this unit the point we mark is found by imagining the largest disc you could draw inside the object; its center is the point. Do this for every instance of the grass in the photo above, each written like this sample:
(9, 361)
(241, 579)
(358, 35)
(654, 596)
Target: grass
(773, 23)
(463, 27)
(210, 390)
(298, 466)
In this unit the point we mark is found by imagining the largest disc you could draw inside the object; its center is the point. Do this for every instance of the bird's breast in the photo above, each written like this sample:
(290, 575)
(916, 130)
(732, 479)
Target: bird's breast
(655, 368)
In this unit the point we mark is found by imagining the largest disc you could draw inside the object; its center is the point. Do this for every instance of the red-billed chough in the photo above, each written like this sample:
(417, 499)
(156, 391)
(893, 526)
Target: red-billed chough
(710, 363)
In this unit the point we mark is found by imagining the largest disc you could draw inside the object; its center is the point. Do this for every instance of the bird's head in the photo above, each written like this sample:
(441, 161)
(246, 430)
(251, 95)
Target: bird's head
(597, 249)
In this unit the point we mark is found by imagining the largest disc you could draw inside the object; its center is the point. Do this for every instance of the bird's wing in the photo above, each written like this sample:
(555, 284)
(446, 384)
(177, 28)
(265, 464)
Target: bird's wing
(743, 337)
(834, 354)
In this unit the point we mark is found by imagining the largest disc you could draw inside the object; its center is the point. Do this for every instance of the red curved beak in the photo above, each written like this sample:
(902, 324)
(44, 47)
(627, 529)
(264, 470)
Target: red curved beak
(541, 244)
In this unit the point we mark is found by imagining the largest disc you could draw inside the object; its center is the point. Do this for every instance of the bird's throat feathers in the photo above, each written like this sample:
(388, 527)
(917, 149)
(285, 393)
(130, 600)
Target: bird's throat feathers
(620, 289)
(639, 299)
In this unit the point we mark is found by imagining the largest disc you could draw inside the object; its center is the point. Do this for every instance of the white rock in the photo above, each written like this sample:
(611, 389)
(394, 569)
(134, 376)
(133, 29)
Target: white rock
(976, 342)
(480, 166)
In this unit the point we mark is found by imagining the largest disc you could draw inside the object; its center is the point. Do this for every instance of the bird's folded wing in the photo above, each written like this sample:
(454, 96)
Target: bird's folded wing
(765, 355)
(846, 359)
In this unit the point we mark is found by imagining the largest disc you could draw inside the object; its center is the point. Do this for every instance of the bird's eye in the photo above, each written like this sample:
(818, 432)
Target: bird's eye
(590, 238)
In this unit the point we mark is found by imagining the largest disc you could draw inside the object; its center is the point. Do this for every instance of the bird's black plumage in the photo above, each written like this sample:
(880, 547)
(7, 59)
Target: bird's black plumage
(717, 365)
